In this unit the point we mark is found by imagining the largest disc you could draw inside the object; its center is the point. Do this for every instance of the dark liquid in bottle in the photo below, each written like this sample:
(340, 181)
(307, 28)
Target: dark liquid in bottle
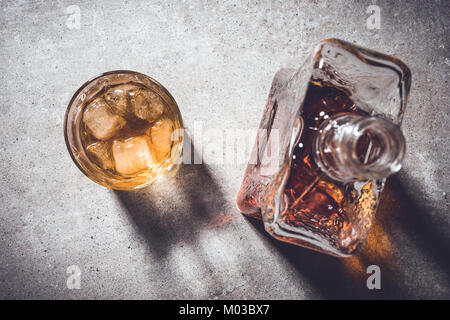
(316, 202)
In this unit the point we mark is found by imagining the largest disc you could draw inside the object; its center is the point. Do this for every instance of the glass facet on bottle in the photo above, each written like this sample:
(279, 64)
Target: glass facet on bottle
(329, 136)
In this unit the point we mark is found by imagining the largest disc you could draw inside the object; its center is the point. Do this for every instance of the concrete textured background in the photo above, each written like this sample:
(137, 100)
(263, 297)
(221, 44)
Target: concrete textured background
(185, 239)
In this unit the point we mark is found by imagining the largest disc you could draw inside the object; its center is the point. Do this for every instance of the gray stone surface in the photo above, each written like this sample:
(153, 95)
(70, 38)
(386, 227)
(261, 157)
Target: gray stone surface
(185, 238)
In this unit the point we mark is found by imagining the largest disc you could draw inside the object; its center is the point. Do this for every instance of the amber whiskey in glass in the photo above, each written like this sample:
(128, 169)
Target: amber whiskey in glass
(124, 130)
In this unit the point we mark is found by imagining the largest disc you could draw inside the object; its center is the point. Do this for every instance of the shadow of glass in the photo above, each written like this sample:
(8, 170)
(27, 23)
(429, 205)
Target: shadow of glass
(176, 217)
(170, 215)
(174, 210)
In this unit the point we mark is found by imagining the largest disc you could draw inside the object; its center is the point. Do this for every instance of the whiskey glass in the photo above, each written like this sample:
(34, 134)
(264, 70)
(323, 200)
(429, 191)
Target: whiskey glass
(124, 130)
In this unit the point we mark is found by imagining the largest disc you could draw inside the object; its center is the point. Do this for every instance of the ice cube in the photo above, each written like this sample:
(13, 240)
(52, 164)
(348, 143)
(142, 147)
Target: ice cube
(133, 155)
(161, 138)
(147, 105)
(100, 120)
(119, 98)
(100, 154)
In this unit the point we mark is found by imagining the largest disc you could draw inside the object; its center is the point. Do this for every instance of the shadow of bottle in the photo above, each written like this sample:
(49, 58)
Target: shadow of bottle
(346, 278)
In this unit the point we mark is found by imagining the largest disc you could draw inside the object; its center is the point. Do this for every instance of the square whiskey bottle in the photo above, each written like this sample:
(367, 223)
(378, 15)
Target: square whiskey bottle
(329, 137)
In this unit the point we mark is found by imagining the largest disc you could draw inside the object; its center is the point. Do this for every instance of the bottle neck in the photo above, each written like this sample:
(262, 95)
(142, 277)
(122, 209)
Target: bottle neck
(351, 147)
